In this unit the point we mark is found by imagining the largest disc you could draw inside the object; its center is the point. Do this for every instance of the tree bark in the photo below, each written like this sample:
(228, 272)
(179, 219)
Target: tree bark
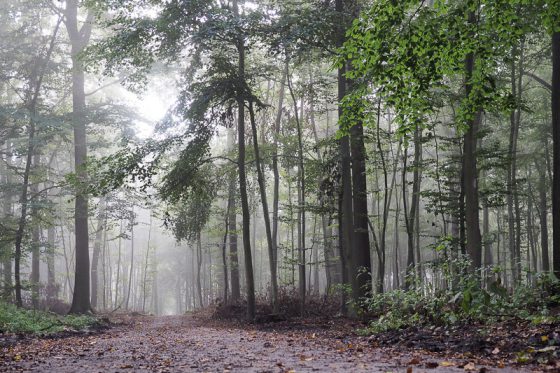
(470, 173)
(276, 187)
(361, 258)
(7, 286)
(345, 208)
(95, 255)
(249, 277)
(555, 105)
(79, 38)
(266, 215)
(543, 210)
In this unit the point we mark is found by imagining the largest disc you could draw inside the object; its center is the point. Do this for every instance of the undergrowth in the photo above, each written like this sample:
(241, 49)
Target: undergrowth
(466, 302)
(20, 320)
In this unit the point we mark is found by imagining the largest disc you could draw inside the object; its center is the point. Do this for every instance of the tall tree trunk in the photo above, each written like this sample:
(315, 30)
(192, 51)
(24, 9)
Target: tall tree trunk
(79, 38)
(543, 209)
(131, 269)
(52, 287)
(233, 257)
(249, 277)
(266, 215)
(488, 258)
(532, 264)
(117, 304)
(470, 172)
(276, 187)
(514, 213)
(345, 210)
(199, 270)
(301, 201)
(7, 286)
(224, 254)
(35, 236)
(146, 264)
(555, 105)
(409, 219)
(95, 255)
(361, 258)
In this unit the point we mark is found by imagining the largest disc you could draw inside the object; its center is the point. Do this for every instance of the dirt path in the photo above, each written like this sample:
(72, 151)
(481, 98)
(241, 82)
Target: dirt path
(183, 344)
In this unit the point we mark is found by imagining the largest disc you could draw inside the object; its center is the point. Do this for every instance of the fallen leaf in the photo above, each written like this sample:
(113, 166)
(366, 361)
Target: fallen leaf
(446, 364)
(548, 349)
(414, 361)
(431, 365)
(469, 367)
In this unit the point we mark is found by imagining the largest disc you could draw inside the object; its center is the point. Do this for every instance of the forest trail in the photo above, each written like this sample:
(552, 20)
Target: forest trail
(185, 344)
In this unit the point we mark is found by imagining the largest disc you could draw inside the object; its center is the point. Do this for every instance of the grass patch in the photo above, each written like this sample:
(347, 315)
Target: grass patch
(19, 320)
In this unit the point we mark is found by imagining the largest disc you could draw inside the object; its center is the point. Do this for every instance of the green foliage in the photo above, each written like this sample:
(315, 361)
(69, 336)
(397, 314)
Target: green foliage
(409, 54)
(19, 320)
(468, 302)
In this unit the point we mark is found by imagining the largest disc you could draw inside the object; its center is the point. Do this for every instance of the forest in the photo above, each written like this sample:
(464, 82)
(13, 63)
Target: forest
(341, 185)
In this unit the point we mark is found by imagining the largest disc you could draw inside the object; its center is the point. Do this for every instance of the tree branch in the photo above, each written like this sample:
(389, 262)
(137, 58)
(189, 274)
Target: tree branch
(540, 80)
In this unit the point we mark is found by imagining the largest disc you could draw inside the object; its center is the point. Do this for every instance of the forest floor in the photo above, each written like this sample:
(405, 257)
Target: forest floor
(189, 343)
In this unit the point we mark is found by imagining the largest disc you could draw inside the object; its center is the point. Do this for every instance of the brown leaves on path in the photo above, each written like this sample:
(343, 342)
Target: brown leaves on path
(185, 344)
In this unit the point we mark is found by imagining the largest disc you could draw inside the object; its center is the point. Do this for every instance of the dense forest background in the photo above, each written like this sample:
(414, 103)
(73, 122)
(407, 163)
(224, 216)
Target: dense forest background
(161, 155)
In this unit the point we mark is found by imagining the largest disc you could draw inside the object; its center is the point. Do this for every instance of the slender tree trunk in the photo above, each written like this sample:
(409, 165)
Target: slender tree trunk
(249, 277)
(409, 224)
(276, 187)
(301, 202)
(234, 261)
(224, 253)
(488, 257)
(35, 236)
(7, 286)
(266, 215)
(514, 213)
(543, 209)
(199, 270)
(532, 264)
(119, 257)
(52, 288)
(131, 269)
(95, 255)
(555, 105)
(146, 264)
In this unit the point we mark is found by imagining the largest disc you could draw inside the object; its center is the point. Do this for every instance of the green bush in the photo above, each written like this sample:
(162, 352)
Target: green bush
(19, 320)
(466, 302)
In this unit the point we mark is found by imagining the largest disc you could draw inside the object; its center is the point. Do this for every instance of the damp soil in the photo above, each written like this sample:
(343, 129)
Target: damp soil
(199, 344)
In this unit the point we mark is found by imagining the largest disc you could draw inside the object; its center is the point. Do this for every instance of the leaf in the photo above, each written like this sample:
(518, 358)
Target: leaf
(548, 349)
(446, 364)
(469, 367)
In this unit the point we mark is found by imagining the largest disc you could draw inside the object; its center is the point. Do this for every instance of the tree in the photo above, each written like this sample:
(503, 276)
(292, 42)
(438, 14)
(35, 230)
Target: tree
(555, 108)
(79, 39)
